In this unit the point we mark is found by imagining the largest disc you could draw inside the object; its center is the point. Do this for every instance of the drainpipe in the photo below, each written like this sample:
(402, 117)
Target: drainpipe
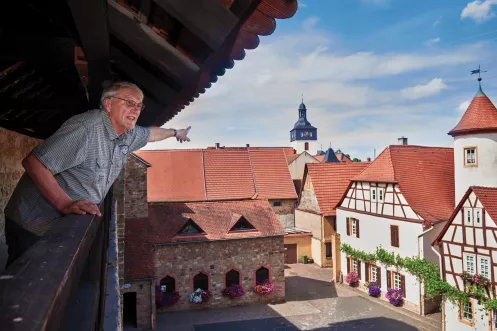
(421, 289)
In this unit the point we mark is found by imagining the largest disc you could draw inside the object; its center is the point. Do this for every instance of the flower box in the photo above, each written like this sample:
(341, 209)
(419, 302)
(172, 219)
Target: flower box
(233, 291)
(265, 287)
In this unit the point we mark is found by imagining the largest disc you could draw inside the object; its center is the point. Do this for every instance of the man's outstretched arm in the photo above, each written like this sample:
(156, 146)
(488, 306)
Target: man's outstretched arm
(51, 190)
(158, 134)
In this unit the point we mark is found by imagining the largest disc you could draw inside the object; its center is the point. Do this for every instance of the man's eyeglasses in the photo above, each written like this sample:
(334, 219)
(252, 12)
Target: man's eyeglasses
(131, 103)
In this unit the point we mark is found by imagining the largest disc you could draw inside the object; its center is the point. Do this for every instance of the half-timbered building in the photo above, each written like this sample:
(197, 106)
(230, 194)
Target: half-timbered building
(399, 202)
(468, 242)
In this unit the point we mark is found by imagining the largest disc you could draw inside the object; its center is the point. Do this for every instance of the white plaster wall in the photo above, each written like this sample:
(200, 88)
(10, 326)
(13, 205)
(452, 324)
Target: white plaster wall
(452, 319)
(309, 221)
(484, 174)
(425, 243)
(316, 251)
(374, 231)
(299, 146)
(297, 166)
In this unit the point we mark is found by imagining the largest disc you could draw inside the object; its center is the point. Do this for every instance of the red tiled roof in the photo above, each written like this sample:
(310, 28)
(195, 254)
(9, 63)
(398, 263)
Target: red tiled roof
(481, 116)
(163, 184)
(218, 174)
(291, 157)
(425, 176)
(271, 174)
(228, 174)
(343, 158)
(320, 158)
(488, 198)
(330, 180)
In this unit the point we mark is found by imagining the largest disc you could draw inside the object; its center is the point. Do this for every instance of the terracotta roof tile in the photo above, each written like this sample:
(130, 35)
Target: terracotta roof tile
(343, 158)
(425, 176)
(218, 174)
(175, 175)
(214, 217)
(320, 158)
(330, 180)
(272, 177)
(488, 198)
(481, 116)
(228, 174)
(291, 157)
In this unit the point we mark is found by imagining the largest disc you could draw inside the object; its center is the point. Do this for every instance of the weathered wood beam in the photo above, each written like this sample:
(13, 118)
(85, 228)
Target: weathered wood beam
(91, 22)
(148, 44)
(52, 269)
(142, 77)
(213, 62)
(208, 19)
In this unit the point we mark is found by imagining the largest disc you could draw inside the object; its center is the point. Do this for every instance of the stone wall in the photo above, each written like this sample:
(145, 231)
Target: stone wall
(285, 212)
(308, 200)
(184, 261)
(145, 303)
(135, 188)
(13, 148)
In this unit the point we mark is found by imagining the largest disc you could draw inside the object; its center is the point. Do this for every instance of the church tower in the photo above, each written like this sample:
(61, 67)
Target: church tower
(303, 136)
(475, 145)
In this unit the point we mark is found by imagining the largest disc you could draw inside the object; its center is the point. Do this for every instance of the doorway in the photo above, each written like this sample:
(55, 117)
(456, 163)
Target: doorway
(290, 253)
(129, 309)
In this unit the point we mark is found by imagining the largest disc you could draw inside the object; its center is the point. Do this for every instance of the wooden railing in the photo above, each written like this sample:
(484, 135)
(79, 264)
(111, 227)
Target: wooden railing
(60, 282)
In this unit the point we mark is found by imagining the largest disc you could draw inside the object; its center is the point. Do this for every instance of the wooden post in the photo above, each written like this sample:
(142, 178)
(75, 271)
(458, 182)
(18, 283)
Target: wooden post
(335, 247)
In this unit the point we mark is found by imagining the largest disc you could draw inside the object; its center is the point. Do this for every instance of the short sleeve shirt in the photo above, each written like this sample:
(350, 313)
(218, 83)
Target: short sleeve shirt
(85, 156)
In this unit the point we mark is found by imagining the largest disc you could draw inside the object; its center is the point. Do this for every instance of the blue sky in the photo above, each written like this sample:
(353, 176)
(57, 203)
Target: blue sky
(370, 70)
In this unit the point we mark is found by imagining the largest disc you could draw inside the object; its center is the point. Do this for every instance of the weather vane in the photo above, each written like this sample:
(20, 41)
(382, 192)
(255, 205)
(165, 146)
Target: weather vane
(477, 71)
(302, 97)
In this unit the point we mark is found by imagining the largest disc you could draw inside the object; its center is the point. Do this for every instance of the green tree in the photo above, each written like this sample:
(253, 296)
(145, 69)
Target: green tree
(356, 160)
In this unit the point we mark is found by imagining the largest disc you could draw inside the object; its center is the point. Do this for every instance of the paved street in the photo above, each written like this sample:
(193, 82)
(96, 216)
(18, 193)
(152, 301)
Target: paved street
(313, 303)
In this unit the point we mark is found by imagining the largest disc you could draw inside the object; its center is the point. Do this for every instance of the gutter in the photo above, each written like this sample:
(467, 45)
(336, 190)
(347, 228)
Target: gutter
(421, 288)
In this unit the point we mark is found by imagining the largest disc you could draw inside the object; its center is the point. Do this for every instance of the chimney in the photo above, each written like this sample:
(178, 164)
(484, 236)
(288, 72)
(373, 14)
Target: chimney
(248, 145)
(217, 145)
(402, 140)
(294, 151)
(368, 159)
(306, 146)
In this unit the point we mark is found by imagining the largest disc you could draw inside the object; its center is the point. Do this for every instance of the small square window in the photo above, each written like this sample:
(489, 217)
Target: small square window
(469, 263)
(470, 158)
(373, 195)
(276, 203)
(467, 311)
(477, 215)
(374, 273)
(468, 216)
(380, 194)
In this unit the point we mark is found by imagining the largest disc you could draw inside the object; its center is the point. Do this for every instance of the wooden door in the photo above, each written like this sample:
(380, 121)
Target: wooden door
(290, 253)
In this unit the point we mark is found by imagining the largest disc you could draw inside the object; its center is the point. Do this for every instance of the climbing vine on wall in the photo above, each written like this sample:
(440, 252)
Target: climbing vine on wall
(427, 272)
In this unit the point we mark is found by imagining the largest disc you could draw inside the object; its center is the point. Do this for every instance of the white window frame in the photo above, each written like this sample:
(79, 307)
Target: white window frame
(381, 195)
(466, 261)
(470, 159)
(488, 273)
(355, 266)
(374, 196)
(478, 216)
(494, 320)
(468, 304)
(374, 273)
(397, 281)
(353, 227)
(468, 216)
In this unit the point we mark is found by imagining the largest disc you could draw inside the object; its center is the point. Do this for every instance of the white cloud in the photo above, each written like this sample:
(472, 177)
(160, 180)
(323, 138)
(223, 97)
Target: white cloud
(479, 10)
(433, 41)
(256, 102)
(310, 23)
(433, 87)
(463, 106)
(437, 22)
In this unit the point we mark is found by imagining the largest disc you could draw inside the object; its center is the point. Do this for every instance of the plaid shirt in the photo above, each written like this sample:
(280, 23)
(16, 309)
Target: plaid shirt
(85, 156)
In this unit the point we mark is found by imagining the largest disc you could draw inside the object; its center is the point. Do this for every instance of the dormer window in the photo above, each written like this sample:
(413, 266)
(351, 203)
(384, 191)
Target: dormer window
(470, 157)
(190, 228)
(242, 225)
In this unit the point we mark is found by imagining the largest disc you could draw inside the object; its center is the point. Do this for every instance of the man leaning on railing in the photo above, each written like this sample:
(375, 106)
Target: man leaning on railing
(72, 171)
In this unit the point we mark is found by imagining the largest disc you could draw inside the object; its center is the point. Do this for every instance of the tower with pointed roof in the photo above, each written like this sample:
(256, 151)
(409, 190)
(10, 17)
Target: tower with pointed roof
(303, 136)
(475, 145)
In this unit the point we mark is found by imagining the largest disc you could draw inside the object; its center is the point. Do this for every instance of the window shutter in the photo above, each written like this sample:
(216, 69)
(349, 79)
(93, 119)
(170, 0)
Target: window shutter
(378, 276)
(389, 279)
(397, 243)
(359, 269)
(394, 235)
(348, 265)
(357, 227)
(403, 285)
(348, 226)
(368, 270)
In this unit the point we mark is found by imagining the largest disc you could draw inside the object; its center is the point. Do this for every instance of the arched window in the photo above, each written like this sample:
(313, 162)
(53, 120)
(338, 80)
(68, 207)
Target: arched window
(201, 280)
(232, 277)
(261, 275)
(169, 282)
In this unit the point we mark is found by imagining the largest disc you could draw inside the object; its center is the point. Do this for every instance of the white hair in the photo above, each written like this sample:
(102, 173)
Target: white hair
(112, 89)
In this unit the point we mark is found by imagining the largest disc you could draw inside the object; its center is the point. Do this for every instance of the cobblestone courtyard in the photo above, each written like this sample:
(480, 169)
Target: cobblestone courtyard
(313, 303)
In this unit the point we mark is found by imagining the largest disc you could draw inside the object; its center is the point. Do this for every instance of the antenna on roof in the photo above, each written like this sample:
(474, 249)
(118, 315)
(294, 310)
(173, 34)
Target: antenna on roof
(478, 71)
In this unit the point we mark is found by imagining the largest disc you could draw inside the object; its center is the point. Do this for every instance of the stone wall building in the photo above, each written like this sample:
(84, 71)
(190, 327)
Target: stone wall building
(14, 147)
